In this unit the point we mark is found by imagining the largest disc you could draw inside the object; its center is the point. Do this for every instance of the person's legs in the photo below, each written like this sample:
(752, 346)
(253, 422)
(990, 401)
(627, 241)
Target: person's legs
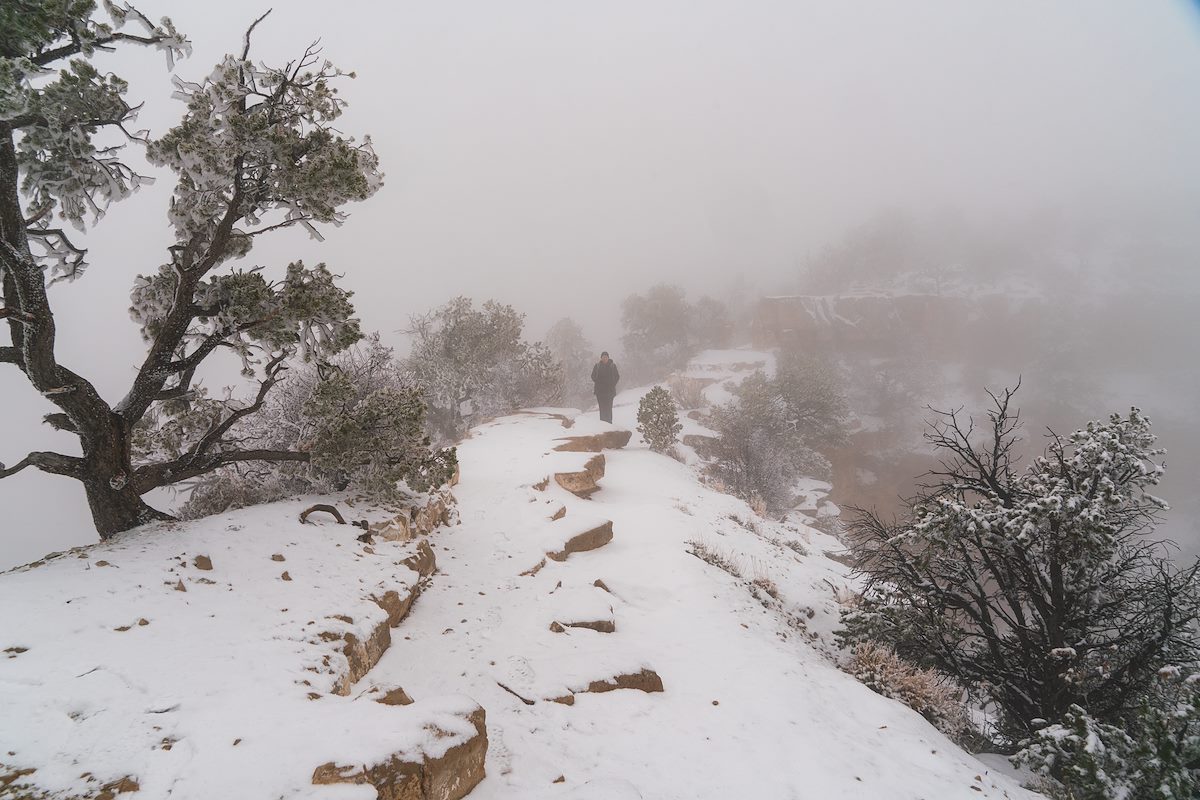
(605, 408)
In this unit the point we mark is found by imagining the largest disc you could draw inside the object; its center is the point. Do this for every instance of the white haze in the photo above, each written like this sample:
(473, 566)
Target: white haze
(560, 155)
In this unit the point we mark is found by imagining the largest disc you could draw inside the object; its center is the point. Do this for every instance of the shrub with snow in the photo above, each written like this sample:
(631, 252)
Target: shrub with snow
(1037, 589)
(657, 421)
(760, 453)
(1153, 755)
(361, 424)
(931, 694)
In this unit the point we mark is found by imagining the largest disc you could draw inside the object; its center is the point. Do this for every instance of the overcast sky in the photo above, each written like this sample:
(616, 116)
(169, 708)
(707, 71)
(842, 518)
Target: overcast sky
(558, 155)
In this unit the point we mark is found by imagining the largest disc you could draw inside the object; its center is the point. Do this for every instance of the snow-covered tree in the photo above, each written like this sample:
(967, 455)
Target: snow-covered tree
(473, 364)
(571, 348)
(812, 394)
(710, 323)
(658, 423)
(760, 453)
(658, 331)
(360, 421)
(1038, 589)
(257, 151)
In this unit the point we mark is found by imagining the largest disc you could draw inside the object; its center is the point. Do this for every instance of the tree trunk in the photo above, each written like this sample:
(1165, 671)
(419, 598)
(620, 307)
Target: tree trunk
(117, 510)
(108, 479)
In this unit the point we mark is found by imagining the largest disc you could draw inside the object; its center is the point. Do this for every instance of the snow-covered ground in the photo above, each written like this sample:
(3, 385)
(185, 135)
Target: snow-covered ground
(753, 705)
(199, 659)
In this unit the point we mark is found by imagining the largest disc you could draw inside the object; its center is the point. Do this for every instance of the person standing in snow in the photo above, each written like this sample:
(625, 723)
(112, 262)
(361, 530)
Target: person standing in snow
(605, 377)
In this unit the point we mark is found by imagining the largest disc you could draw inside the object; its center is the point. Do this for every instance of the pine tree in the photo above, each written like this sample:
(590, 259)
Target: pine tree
(657, 421)
(257, 151)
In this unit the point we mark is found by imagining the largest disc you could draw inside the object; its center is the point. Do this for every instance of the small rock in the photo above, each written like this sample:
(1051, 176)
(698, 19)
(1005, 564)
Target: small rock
(202, 562)
(395, 697)
(285, 576)
(179, 587)
(559, 779)
(278, 557)
(143, 621)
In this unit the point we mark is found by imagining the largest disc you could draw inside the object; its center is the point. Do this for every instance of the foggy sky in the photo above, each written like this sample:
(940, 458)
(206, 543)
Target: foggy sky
(559, 155)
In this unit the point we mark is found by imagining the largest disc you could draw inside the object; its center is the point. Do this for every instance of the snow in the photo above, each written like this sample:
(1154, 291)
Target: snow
(203, 693)
(753, 705)
(786, 722)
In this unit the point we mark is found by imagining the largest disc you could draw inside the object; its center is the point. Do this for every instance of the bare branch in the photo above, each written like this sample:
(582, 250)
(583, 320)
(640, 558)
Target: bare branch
(250, 30)
(54, 463)
(325, 507)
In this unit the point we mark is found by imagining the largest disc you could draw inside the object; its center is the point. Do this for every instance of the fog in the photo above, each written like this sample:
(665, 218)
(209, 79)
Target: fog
(559, 156)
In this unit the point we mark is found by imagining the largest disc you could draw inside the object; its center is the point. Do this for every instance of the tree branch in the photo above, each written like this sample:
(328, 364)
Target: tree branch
(54, 463)
(153, 476)
(197, 460)
(102, 43)
(11, 355)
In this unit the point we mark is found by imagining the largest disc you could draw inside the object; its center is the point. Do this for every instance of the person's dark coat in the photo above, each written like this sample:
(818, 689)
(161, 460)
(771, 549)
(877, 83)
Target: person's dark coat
(605, 377)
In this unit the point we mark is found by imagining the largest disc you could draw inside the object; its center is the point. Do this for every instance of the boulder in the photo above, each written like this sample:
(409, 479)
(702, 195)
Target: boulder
(607, 440)
(581, 479)
(449, 776)
(394, 697)
(423, 562)
(646, 680)
(589, 539)
(582, 607)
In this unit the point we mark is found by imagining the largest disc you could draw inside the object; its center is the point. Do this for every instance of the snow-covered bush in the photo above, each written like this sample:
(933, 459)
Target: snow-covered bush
(1037, 589)
(931, 694)
(1153, 755)
(759, 454)
(361, 426)
(473, 364)
(657, 421)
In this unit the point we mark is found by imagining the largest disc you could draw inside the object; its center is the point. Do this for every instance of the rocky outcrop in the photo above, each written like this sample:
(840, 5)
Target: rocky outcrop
(363, 654)
(699, 442)
(606, 440)
(590, 538)
(583, 481)
(419, 519)
(646, 680)
(449, 776)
